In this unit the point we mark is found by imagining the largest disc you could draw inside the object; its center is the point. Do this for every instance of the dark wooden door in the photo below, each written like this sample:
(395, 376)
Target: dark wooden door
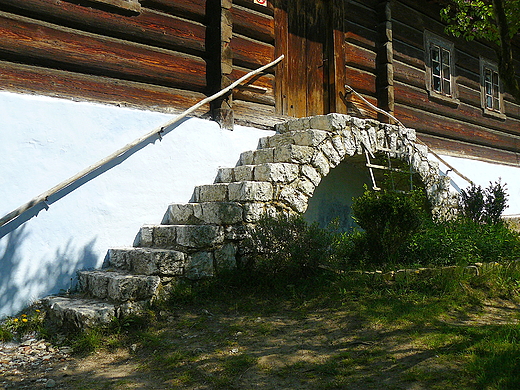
(309, 50)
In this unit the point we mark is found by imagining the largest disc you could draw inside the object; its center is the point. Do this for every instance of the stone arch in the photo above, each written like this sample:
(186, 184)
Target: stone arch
(283, 173)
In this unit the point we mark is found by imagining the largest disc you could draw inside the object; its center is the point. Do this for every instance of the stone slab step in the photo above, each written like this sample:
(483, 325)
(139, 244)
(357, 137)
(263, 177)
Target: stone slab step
(180, 237)
(148, 261)
(118, 286)
(206, 213)
(76, 312)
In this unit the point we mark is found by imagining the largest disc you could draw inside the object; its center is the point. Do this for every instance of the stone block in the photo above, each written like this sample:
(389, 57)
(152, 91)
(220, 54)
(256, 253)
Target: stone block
(200, 265)
(253, 211)
(212, 213)
(330, 152)
(145, 236)
(293, 154)
(147, 261)
(305, 186)
(298, 124)
(123, 288)
(311, 173)
(262, 156)
(225, 257)
(211, 192)
(76, 313)
(243, 173)
(321, 163)
(250, 191)
(338, 143)
(246, 158)
(295, 199)
(309, 137)
(198, 236)
(224, 175)
(276, 172)
(279, 140)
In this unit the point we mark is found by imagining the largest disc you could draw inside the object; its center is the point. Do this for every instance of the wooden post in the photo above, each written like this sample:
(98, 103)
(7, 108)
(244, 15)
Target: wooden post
(220, 33)
(385, 59)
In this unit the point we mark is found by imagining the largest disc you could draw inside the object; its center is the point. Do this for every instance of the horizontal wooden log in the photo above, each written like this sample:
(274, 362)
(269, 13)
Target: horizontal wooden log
(256, 115)
(408, 54)
(360, 57)
(259, 89)
(190, 9)
(253, 24)
(128, 5)
(360, 35)
(359, 108)
(444, 127)
(364, 13)
(472, 115)
(149, 27)
(249, 52)
(58, 83)
(28, 40)
(466, 150)
(409, 75)
(362, 81)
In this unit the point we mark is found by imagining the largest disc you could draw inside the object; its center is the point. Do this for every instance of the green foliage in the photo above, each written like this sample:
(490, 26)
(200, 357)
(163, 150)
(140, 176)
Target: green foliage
(484, 205)
(389, 219)
(287, 248)
(460, 242)
(31, 320)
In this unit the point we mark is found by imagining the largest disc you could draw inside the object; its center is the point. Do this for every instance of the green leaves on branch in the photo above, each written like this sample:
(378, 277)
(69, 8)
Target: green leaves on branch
(476, 19)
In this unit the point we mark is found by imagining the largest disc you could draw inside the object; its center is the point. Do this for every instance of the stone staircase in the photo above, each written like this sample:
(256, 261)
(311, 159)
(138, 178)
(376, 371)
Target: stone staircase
(198, 239)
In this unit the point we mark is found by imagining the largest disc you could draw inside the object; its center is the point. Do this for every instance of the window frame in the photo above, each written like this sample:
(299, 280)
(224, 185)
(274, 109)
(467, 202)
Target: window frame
(497, 87)
(445, 48)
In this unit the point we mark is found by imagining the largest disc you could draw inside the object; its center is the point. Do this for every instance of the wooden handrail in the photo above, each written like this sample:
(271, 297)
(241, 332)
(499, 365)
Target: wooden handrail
(156, 132)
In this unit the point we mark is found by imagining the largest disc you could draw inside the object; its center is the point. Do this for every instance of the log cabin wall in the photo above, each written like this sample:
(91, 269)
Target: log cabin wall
(253, 45)
(149, 54)
(362, 43)
(458, 127)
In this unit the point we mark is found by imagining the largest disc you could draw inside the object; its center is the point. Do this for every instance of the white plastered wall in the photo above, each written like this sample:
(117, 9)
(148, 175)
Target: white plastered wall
(44, 141)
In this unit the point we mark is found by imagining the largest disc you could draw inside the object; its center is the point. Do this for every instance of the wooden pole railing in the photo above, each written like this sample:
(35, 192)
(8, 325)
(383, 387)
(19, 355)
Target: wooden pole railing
(156, 132)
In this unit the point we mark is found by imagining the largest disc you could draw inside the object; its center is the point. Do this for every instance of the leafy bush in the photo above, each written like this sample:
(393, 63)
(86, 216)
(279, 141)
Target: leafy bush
(484, 205)
(389, 219)
(287, 247)
(459, 242)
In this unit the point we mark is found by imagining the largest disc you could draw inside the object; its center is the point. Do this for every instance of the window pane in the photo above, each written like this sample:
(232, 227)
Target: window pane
(487, 75)
(436, 83)
(489, 102)
(496, 104)
(435, 53)
(446, 87)
(446, 57)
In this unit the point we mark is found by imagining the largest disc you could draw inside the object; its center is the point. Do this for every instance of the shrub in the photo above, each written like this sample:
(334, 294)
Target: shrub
(459, 242)
(287, 247)
(484, 205)
(389, 219)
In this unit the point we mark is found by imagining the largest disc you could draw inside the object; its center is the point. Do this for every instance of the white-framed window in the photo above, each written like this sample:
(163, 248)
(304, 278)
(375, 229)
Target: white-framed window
(440, 68)
(490, 89)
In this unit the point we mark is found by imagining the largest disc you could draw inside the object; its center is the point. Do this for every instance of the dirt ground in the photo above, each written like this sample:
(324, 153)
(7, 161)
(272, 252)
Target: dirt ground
(222, 348)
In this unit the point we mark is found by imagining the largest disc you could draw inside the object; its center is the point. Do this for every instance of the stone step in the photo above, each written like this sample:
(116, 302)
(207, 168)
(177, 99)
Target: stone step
(243, 191)
(186, 238)
(148, 261)
(118, 286)
(206, 213)
(268, 172)
(76, 312)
